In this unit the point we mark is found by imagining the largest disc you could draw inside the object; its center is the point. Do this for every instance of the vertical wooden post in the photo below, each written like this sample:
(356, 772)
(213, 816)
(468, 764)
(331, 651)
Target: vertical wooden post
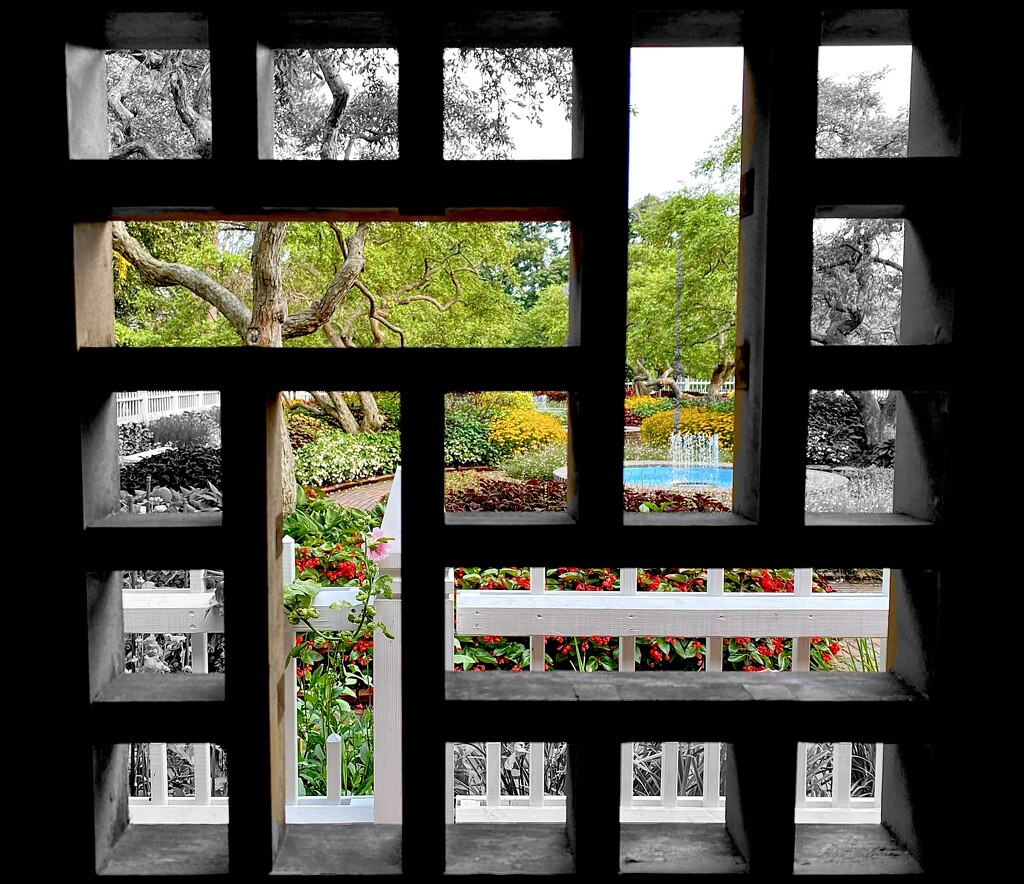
(592, 826)
(766, 841)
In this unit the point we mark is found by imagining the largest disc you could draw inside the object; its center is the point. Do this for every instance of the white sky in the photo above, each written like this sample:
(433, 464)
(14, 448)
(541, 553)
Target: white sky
(684, 99)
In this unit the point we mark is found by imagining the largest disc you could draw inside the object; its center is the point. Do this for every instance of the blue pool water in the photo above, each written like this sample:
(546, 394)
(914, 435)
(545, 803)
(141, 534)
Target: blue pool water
(669, 477)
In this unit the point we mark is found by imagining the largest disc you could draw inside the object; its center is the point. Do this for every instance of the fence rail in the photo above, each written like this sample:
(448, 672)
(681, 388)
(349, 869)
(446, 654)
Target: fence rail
(626, 613)
(143, 406)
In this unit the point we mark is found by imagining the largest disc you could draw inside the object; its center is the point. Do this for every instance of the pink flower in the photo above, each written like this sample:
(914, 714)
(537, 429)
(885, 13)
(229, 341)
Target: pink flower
(378, 545)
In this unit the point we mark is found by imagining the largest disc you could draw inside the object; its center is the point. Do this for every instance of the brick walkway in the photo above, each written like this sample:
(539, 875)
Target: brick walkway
(362, 496)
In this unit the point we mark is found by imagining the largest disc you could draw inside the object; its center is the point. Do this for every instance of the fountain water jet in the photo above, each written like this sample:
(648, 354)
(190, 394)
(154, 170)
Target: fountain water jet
(692, 454)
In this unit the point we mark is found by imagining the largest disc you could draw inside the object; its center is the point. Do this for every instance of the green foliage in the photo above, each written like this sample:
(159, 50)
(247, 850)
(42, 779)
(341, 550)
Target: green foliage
(336, 547)
(390, 406)
(700, 229)
(639, 407)
(467, 439)
(546, 322)
(716, 404)
(657, 429)
(326, 706)
(540, 261)
(318, 520)
(337, 456)
(147, 316)
(187, 429)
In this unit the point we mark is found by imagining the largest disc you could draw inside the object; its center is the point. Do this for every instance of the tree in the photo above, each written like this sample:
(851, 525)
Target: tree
(694, 231)
(358, 112)
(158, 104)
(546, 323)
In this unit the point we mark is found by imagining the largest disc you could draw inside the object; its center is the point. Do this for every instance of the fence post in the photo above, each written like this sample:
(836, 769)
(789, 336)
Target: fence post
(144, 406)
(158, 773)
(493, 774)
(334, 769)
(291, 712)
(538, 578)
(387, 714)
(449, 665)
(713, 655)
(627, 663)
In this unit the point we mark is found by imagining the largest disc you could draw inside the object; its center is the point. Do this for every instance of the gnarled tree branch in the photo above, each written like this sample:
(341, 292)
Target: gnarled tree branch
(163, 273)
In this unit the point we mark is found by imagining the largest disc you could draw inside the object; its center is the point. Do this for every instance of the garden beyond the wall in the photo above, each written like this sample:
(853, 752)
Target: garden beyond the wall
(502, 451)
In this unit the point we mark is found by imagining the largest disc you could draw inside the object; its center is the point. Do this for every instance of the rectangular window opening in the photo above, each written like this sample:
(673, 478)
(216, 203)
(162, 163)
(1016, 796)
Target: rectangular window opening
(505, 451)
(682, 272)
(507, 103)
(863, 101)
(336, 104)
(159, 104)
(343, 284)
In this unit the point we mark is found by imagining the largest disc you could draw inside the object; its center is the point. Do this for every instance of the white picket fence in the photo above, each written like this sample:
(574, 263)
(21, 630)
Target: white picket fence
(143, 406)
(626, 613)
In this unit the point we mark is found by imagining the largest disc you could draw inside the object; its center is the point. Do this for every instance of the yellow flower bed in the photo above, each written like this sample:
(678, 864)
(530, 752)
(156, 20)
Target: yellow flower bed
(656, 429)
(516, 430)
(505, 399)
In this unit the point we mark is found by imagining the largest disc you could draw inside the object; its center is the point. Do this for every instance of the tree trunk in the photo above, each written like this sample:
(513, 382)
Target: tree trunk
(333, 404)
(288, 484)
(373, 420)
(870, 415)
(330, 140)
(721, 373)
(888, 406)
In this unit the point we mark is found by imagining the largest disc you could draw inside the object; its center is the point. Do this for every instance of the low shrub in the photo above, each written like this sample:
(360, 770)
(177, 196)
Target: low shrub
(718, 404)
(304, 428)
(516, 430)
(656, 429)
(467, 439)
(134, 437)
(190, 429)
(337, 456)
(636, 408)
